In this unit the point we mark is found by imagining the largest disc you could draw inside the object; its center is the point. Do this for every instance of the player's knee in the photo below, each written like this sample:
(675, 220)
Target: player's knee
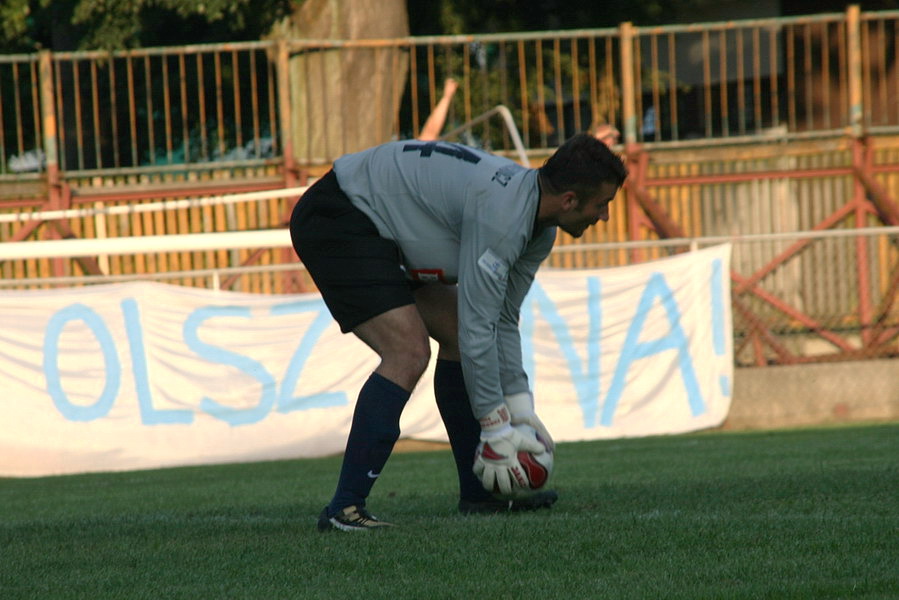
(408, 361)
(418, 356)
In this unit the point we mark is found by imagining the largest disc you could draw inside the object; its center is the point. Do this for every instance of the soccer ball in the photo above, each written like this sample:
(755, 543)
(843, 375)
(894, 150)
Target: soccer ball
(538, 467)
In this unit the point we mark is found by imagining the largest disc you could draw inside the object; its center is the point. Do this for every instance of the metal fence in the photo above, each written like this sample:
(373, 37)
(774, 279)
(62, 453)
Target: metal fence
(233, 104)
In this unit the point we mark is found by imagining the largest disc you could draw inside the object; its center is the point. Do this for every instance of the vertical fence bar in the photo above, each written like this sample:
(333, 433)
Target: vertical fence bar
(201, 105)
(707, 84)
(20, 143)
(576, 85)
(79, 128)
(628, 112)
(639, 111)
(612, 93)
(254, 104)
(132, 110)
(49, 102)
(741, 84)
(541, 116)
(882, 72)
(432, 77)
(35, 104)
(807, 67)
(867, 71)
(282, 73)
(396, 92)
(466, 78)
(235, 87)
(2, 133)
(523, 90)
(167, 104)
(854, 70)
(843, 60)
(274, 106)
(413, 89)
(95, 114)
(722, 83)
(48, 117)
(825, 73)
(148, 90)
(185, 117)
(757, 79)
(593, 79)
(655, 80)
(672, 87)
(60, 116)
(772, 78)
(558, 91)
(219, 102)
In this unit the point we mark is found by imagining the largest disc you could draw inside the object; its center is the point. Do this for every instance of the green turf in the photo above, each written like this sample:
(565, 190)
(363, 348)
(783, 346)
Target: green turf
(792, 514)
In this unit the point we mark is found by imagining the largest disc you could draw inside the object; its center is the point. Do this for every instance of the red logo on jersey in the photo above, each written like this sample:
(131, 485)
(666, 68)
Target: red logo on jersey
(427, 275)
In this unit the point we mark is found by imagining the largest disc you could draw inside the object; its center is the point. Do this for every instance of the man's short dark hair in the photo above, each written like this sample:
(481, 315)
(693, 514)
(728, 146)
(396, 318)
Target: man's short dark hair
(581, 165)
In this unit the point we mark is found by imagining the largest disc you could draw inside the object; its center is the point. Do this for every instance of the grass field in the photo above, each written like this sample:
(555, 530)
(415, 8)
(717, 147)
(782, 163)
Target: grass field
(790, 514)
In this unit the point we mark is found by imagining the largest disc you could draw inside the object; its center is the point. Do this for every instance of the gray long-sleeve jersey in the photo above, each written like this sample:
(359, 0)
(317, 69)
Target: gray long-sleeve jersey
(460, 215)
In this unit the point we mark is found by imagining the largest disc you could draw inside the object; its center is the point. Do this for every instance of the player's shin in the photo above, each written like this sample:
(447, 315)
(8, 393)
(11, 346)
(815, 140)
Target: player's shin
(375, 430)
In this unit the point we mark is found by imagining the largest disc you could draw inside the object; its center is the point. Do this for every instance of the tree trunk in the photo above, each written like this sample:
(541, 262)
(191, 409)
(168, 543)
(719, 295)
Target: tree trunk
(344, 100)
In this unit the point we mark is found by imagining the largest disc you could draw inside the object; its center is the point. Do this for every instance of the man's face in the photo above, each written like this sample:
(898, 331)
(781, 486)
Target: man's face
(576, 221)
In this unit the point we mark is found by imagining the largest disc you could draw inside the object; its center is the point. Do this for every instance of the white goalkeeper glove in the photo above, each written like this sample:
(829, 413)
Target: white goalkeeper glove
(496, 460)
(521, 407)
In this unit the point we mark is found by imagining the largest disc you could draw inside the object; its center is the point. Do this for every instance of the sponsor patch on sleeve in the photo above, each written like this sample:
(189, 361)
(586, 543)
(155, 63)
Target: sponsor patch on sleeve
(493, 265)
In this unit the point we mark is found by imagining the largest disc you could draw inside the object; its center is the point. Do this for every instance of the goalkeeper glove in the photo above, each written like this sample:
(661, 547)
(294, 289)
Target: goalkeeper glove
(496, 460)
(521, 407)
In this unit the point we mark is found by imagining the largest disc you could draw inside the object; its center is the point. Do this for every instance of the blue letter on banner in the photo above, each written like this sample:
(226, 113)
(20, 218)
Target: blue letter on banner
(286, 403)
(253, 368)
(149, 415)
(634, 350)
(57, 323)
(585, 377)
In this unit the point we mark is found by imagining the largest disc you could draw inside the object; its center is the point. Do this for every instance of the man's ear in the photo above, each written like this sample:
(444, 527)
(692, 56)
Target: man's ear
(569, 201)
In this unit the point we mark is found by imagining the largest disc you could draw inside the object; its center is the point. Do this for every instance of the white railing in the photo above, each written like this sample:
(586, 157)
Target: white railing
(280, 238)
(150, 207)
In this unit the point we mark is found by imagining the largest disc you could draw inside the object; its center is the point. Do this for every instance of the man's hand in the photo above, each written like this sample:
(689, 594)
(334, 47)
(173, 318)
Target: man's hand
(496, 460)
(521, 407)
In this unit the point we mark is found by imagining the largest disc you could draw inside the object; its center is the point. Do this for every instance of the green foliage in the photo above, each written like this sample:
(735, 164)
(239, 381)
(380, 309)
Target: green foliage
(792, 514)
(118, 24)
(13, 18)
(476, 16)
(435, 17)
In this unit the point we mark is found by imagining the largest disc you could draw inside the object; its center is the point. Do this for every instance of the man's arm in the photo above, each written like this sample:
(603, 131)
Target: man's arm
(516, 390)
(512, 375)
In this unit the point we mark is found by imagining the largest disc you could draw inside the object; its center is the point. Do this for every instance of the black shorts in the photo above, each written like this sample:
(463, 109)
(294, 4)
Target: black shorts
(358, 273)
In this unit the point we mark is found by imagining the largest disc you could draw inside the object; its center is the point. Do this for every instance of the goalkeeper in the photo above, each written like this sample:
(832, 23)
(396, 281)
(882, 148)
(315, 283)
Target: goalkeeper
(416, 239)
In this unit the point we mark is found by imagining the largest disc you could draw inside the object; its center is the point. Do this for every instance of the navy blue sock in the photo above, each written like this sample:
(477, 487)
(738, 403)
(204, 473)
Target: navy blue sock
(462, 427)
(375, 429)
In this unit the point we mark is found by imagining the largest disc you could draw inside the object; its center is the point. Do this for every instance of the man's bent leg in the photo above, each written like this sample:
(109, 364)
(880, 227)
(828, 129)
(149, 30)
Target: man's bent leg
(375, 429)
(399, 337)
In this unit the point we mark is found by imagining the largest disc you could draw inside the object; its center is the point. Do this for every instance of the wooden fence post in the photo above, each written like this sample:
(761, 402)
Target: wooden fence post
(285, 108)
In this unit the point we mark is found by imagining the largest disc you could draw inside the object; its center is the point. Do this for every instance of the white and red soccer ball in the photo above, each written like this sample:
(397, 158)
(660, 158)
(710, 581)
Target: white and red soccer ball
(537, 467)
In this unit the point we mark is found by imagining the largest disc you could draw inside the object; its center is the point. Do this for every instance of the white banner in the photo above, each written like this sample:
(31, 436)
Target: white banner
(145, 375)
